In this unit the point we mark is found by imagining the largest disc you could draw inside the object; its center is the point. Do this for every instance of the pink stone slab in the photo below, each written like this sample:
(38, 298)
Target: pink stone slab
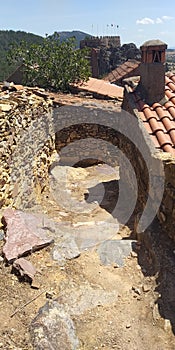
(24, 233)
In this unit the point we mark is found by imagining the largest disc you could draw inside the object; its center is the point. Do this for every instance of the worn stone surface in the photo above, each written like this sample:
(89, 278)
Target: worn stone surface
(114, 251)
(68, 184)
(89, 224)
(24, 234)
(77, 299)
(53, 329)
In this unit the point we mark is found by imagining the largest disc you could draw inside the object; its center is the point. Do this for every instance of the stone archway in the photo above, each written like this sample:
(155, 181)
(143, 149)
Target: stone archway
(79, 141)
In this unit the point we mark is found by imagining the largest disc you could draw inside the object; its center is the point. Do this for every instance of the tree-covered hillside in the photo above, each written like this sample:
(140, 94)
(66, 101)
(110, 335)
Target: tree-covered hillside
(9, 37)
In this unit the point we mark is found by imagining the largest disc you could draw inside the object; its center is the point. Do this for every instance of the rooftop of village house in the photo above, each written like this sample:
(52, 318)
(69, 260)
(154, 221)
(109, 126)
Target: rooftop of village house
(158, 117)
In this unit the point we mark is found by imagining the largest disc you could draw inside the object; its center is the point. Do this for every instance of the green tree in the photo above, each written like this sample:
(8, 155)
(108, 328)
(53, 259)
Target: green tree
(51, 64)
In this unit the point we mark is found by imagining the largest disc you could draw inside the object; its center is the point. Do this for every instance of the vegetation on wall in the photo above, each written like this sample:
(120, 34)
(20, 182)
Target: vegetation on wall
(51, 64)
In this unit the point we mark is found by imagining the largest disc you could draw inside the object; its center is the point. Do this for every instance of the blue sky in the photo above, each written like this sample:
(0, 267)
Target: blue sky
(137, 20)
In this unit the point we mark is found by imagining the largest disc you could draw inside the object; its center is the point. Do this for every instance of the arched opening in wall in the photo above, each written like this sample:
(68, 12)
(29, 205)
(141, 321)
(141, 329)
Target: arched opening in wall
(102, 150)
(90, 146)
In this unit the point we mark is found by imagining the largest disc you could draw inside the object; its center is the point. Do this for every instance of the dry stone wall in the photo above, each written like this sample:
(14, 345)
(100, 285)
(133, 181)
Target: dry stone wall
(25, 120)
(166, 214)
(32, 132)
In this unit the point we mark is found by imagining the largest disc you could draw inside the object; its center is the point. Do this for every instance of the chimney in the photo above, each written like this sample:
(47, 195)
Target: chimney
(152, 71)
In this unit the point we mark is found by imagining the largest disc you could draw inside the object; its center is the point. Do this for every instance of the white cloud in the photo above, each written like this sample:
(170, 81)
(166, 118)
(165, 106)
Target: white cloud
(158, 20)
(167, 18)
(145, 20)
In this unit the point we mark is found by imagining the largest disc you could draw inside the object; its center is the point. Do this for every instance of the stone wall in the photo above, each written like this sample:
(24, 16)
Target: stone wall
(166, 211)
(31, 160)
(166, 214)
(27, 140)
(101, 41)
(32, 132)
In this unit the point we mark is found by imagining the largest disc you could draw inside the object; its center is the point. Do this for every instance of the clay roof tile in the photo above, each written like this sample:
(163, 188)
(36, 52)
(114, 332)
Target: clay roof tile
(147, 127)
(163, 138)
(149, 113)
(172, 135)
(171, 86)
(155, 125)
(169, 125)
(168, 148)
(172, 77)
(159, 119)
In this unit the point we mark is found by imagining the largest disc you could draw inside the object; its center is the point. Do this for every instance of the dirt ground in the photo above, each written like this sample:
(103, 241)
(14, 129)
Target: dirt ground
(131, 322)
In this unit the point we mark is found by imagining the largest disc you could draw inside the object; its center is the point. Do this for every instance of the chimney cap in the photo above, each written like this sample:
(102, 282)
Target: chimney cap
(154, 43)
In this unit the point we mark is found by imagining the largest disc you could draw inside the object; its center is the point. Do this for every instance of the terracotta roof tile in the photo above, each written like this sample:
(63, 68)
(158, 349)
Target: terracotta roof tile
(164, 139)
(155, 141)
(172, 77)
(171, 86)
(149, 113)
(142, 116)
(168, 124)
(172, 135)
(168, 148)
(122, 71)
(155, 125)
(100, 87)
(161, 112)
(148, 127)
(169, 94)
(158, 119)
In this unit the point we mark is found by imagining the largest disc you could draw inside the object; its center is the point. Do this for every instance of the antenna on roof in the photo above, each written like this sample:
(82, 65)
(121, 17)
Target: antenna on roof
(92, 30)
(97, 29)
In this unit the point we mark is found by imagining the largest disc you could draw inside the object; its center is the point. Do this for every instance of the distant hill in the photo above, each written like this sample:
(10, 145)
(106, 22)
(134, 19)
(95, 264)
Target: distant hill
(8, 37)
(75, 33)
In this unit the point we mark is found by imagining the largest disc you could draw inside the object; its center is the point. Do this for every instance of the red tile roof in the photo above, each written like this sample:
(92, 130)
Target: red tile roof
(100, 87)
(122, 71)
(159, 119)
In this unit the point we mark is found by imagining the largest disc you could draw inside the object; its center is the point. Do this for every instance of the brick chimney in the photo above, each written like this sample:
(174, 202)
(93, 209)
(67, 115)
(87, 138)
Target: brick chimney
(152, 71)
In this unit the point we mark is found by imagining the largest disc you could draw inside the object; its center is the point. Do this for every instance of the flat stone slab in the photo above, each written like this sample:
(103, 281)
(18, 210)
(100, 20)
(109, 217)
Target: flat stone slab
(115, 251)
(53, 329)
(24, 234)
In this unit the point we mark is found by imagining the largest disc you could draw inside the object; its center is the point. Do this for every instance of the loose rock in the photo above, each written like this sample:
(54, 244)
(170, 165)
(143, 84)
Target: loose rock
(65, 250)
(114, 251)
(24, 268)
(53, 329)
